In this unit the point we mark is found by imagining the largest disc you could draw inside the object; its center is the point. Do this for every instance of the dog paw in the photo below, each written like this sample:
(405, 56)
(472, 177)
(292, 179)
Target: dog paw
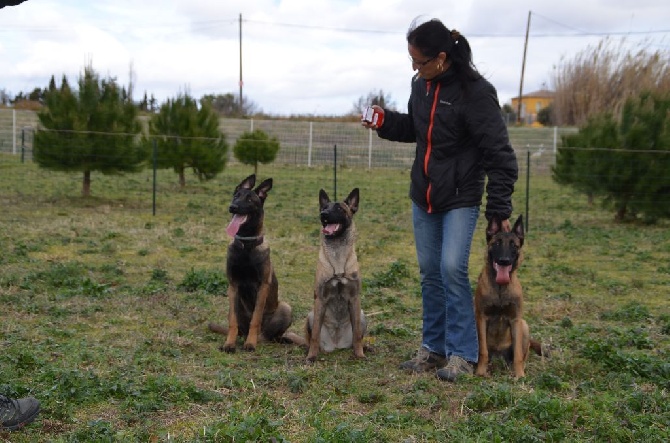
(249, 347)
(482, 372)
(310, 359)
(228, 348)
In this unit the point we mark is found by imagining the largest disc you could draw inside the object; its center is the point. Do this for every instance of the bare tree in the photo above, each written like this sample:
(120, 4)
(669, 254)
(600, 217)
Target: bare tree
(373, 98)
(229, 105)
(4, 97)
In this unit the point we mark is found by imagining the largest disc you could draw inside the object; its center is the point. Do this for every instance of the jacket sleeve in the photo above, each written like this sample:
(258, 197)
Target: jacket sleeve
(397, 126)
(487, 127)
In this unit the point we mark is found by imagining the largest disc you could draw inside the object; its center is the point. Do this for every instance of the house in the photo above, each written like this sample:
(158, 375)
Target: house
(532, 103)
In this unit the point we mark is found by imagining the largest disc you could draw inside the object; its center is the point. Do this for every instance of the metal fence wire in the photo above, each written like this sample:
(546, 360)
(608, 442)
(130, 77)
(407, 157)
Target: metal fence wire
(311, 143)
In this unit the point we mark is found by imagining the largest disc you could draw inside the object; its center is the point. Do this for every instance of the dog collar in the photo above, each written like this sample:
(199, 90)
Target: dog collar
(251, 241)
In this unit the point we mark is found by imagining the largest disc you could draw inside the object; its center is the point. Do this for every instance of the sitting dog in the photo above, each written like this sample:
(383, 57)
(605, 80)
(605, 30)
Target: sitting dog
(255, 311)
(501, 328)
(337, 320)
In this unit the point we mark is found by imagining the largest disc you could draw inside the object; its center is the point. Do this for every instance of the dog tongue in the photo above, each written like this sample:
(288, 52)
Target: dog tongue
(235, 224)
(502, 273)
(331, 228)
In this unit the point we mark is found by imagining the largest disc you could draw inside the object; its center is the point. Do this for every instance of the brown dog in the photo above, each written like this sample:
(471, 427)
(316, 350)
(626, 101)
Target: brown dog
(499, 301)
(337, 320)
(255, 311)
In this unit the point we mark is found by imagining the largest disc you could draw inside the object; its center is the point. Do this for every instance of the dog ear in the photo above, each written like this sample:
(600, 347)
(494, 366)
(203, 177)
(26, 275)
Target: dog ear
(352, 200)
(263, 189)
(518, 228)
(493, 227)
(323, 199)
(247, 183)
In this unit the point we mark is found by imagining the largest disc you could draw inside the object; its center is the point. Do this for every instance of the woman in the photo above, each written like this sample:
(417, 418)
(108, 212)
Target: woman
(461, 139)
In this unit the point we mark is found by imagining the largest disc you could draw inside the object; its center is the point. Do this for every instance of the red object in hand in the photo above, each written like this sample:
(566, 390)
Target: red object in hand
(374, 116)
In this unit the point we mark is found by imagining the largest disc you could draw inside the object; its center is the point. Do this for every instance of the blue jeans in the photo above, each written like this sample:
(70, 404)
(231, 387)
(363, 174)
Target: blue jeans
(443, 244)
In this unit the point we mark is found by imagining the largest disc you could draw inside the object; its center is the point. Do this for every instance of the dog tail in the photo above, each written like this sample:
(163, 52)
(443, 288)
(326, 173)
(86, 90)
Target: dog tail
(540, 349)
(293, 338)
(219, 329)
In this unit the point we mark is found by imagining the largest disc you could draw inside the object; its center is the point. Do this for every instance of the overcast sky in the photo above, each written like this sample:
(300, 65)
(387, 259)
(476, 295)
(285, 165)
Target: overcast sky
(302, 56)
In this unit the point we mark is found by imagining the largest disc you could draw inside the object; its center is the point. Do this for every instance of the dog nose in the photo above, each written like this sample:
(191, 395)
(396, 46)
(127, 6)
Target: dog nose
(504, 261)
(233, 208)
(324, 216)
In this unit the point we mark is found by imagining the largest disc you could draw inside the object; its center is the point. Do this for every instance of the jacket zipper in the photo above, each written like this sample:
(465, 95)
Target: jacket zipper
(429, 142)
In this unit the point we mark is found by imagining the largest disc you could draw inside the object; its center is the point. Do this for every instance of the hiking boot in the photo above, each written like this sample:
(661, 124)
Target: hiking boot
(456, 367)
(423, 361)
(15, 414)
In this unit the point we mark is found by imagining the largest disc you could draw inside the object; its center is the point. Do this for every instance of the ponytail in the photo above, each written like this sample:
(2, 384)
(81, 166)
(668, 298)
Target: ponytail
(432, 37)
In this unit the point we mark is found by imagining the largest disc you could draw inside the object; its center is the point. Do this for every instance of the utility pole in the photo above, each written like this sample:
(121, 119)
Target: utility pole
(523, 68)
(241, 82)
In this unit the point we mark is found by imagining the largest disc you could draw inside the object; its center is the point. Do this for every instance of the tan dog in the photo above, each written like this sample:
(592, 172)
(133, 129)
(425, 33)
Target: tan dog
(501, 328)
(255, 311)
(337, 320)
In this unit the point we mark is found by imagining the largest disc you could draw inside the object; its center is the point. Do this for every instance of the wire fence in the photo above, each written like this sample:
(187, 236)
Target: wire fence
(312, 143)
(341, 144)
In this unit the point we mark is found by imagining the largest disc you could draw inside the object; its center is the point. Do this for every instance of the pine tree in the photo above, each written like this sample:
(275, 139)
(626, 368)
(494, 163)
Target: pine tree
(252, 148)
(626, 162)
(188, 137)
(92, 129)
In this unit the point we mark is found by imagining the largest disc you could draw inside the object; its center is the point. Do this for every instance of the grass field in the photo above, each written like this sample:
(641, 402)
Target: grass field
(104, 307)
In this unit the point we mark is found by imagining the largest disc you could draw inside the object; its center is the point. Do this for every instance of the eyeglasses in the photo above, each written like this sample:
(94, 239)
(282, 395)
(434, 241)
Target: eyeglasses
(421, 64)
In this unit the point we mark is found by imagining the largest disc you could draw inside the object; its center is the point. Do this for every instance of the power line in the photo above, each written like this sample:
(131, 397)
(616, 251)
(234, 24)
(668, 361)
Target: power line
(324, 28)
(577, 33)
(559, 24)
(213, 23)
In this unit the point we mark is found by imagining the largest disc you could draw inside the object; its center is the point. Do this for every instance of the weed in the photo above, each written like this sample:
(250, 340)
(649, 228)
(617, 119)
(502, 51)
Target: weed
(490, 397)
(629, 313)
(391, 278)
(210, 282)
(371, 397)
(297, 383)
(664, 321)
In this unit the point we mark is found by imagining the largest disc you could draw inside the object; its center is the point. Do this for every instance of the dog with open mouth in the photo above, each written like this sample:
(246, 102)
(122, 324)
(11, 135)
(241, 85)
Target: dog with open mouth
(501, 329)
(336, 320)
(255, 311)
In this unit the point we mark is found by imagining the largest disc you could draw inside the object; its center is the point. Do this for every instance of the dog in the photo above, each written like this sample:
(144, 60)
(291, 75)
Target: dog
(337, 320)
(255, 311)
(501, 329)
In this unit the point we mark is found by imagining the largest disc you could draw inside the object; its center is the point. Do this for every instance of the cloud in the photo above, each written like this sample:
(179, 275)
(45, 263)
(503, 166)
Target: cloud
(299, 56)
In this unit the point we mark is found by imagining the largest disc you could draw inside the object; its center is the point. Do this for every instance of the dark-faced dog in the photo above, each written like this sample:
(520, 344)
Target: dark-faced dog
(255, 311)
(337, 320)
(499, 301)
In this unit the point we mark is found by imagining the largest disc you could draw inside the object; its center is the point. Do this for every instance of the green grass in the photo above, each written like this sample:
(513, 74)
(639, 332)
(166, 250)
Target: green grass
(104, 310)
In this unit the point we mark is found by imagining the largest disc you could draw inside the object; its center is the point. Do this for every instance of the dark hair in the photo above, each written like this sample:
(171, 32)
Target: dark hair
(432, 37)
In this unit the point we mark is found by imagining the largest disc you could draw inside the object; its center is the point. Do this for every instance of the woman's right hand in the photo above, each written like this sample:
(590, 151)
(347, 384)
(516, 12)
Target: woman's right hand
(375, 117)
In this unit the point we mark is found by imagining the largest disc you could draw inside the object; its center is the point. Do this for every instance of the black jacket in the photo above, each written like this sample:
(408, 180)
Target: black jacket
(460, 138)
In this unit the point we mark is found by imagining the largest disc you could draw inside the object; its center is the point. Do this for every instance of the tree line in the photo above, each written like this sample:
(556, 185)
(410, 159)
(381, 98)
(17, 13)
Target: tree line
(96, 128)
